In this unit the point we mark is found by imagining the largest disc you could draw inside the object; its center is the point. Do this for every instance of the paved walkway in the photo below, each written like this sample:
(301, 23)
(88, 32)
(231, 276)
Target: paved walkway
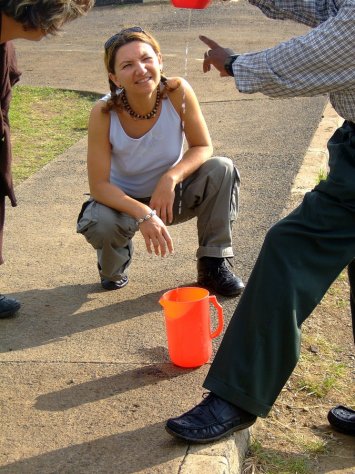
(86, 383)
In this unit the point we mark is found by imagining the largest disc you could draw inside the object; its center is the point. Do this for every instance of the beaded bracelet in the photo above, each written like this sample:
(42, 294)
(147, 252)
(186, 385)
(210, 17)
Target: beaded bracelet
(147, 217)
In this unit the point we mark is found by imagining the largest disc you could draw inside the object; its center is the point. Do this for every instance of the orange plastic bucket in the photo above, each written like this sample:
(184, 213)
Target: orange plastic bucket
(194, 4)
(188, 325)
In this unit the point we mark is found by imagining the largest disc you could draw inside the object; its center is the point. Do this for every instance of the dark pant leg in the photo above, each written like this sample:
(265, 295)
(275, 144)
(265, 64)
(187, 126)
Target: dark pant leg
(300, 258)
(351, 274)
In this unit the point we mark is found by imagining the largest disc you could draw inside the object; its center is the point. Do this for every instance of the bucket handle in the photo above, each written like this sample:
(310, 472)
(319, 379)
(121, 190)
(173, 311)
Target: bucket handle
(213, 300)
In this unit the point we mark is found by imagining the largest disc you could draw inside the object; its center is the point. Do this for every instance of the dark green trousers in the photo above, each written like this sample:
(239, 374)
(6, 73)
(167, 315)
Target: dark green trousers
(300, 258)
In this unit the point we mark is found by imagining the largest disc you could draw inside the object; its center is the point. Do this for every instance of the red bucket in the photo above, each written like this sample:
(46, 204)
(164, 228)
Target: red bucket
(194, 4)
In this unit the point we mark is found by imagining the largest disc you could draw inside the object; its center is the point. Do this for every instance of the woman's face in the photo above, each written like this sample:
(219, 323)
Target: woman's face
(137, 68)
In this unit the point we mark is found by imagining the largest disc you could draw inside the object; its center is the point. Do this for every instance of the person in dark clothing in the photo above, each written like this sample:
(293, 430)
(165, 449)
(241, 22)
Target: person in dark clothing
(30, 20)
(303, 253)
(9, 75)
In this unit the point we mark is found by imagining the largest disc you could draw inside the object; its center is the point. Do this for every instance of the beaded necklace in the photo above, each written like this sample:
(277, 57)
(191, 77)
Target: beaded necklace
(134, 114)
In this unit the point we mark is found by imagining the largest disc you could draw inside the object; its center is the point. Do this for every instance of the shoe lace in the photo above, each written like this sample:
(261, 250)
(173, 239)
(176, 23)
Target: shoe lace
(223, 272)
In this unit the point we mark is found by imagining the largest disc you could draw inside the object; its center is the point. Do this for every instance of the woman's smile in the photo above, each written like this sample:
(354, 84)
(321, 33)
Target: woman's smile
(144, 80)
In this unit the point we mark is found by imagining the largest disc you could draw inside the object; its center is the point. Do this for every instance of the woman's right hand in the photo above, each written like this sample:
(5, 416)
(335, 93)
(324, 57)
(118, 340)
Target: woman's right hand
(156, 236)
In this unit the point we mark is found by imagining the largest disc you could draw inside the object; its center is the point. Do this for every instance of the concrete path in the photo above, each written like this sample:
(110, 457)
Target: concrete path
(86, 383)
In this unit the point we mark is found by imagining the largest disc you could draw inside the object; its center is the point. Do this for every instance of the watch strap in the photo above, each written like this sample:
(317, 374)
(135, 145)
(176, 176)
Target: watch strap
(229, 62)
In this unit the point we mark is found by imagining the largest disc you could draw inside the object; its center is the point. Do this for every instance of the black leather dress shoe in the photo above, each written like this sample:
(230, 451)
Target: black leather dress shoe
(8, 306)
(209, 421)
(342, 419)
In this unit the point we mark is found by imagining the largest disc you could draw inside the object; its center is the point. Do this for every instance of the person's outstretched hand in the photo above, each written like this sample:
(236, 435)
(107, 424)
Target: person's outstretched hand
(215, 56)
(156, 236)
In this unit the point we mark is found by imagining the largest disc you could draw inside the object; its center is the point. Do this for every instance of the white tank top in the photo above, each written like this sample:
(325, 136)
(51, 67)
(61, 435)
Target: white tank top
(138, 163)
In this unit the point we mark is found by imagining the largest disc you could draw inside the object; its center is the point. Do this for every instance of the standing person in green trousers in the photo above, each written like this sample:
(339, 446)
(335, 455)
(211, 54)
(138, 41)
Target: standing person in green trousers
(304, 252)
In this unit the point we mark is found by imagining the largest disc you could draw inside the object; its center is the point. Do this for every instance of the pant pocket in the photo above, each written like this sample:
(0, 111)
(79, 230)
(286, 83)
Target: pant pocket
(87, 216)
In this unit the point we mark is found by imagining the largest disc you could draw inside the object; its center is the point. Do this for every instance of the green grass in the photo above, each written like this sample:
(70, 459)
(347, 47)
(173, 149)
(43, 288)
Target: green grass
(315, 447)
(272, 462)
(44, 123)
(322, 175)
(267, 461)
(319, 386)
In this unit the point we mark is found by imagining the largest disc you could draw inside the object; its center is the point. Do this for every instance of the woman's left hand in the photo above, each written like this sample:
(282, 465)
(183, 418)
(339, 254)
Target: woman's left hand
(162, 200)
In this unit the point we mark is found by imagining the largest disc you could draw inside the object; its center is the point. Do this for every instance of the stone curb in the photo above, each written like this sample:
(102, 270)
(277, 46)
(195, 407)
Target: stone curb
(225, 457)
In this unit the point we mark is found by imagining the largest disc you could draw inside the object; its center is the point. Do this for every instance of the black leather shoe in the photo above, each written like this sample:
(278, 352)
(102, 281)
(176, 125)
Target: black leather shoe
(8, 306)
(114, 285)
(213, 274)
(209, 421)
(342, 419)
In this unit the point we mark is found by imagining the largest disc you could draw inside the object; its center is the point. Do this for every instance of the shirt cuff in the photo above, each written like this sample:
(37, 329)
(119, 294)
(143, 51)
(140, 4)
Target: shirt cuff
(251, 72)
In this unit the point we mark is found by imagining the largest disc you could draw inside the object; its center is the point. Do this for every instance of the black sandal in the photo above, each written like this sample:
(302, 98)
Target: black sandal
(342, 419)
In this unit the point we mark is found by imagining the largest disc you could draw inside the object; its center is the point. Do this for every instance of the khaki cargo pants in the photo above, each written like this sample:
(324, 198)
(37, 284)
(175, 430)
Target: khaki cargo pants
(211, 194)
